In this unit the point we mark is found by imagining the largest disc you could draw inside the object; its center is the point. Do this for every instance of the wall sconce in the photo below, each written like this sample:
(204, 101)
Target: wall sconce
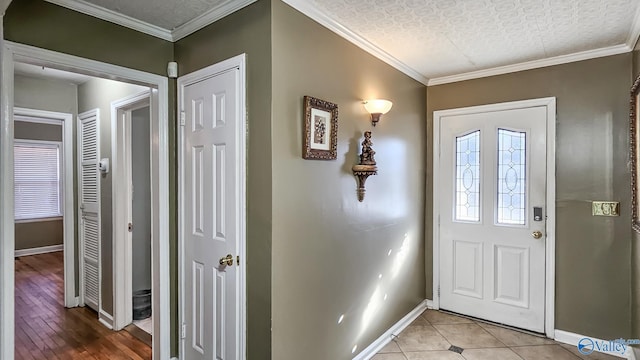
(377, 107)
(367, 165)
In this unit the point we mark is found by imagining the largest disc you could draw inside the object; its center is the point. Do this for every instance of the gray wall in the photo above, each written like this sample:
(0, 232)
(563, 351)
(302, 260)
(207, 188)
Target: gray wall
(592, 147)
(141, 178)
(99, 93)
(329, 249)
(247, 31)
(635, 248)
(50, 95)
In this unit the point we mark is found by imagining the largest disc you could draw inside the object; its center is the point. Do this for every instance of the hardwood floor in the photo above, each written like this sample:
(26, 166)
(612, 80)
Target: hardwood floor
(46, 330)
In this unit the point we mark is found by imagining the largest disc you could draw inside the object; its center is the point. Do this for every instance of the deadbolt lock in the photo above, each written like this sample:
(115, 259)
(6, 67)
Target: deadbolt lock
(227, 260)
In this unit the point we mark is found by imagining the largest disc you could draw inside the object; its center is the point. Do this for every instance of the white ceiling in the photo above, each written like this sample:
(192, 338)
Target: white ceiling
(434, 41)
(42, 72)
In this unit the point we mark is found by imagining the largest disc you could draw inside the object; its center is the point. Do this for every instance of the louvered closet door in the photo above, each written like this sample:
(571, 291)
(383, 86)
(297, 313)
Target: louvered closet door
(89, 193)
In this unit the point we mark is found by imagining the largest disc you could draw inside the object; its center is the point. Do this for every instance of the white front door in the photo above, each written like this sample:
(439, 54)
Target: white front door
(212, 158)
(89, 213)
(492, 191)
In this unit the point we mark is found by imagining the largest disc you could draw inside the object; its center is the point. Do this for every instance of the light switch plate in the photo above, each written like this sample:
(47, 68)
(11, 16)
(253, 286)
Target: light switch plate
(605, 208)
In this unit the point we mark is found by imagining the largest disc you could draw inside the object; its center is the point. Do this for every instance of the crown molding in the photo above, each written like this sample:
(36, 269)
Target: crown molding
(310, 10)
(634, 33)
(535, 64)
(114, 17)
(209, 17)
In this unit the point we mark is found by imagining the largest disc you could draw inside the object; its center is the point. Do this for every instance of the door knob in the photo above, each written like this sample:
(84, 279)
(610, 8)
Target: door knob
(227, 260)
(536, 234)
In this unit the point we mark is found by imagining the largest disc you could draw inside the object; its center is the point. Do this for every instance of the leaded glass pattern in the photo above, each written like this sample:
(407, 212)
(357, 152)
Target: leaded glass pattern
(511, 177)
(468, 177)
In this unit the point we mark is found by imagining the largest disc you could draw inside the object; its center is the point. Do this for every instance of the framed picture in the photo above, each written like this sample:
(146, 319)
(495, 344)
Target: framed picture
(320, 129)
(634, 122)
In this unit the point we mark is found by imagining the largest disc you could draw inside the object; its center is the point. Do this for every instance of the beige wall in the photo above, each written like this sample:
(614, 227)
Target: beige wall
(99, 93)
(247, 31)
(329, 249)
(49, 95)
(592, 147)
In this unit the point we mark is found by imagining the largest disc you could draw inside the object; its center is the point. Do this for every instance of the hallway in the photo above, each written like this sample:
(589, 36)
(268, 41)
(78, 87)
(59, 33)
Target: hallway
(46, 330)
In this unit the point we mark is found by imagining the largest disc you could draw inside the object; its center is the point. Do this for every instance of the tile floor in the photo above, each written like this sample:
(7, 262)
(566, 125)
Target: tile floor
(432, 335)
(145, 325)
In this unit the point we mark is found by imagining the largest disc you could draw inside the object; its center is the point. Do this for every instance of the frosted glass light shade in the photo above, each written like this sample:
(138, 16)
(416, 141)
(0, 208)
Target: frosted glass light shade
(378, 106)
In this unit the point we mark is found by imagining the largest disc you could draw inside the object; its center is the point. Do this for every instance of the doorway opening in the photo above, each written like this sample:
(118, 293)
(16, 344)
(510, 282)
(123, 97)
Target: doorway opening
(17, 53)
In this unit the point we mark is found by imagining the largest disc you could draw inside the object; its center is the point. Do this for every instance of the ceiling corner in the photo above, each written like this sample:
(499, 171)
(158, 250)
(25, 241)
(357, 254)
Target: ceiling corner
(310, 10)
(208, 18)
(114, 17)
(634, 33)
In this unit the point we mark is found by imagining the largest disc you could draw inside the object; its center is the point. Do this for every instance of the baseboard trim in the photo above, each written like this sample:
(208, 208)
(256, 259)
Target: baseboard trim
(573, 339)
(106, 319)
(429, 304)
(371, 350)
(39, 250)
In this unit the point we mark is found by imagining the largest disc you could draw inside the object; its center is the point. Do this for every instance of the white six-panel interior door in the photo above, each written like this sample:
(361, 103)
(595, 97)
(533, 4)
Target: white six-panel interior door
(212, 203)
(492, 211)
(89, 207)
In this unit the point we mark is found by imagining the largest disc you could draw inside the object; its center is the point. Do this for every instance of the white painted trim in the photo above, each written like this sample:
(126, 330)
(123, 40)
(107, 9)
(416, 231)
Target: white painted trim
(209, 17)
(535, 64)
(429, 304)
(114, 17)
(634, 32)
(550, 249)
(7, 239)
(41, 250)
(377, 345)
(105, 319)
(182, 31)
(160, 173)
(309, 9)
(21, 118)
(241, 178)
(121, 208)
(570, 338)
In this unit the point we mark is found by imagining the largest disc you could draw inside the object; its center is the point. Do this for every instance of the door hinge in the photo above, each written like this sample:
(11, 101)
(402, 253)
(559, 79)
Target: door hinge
(438, 291)
(183, 118)
(183, 332)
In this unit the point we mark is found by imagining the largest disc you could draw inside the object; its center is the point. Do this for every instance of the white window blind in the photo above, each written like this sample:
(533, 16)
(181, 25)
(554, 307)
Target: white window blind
(37, 187)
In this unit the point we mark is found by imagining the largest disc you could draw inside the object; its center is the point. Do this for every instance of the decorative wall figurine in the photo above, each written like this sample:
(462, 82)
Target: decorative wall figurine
(367, 165)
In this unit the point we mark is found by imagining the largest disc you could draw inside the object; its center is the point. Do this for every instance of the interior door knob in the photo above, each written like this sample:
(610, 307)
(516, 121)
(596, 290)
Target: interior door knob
(227, 260)
(536, 234)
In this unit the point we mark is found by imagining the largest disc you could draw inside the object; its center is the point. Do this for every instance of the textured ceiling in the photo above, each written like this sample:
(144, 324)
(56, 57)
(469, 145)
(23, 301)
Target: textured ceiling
(447, 37)
(167, 14)
(435, 39)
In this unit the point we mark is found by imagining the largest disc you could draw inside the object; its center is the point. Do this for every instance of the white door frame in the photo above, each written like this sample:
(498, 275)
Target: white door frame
(121, 209)
(68, 217)
(550, 249)
(14, 52)
(241, 177)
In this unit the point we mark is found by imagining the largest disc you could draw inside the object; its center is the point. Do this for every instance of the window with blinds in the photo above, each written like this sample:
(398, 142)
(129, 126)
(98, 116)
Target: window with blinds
(37, 185)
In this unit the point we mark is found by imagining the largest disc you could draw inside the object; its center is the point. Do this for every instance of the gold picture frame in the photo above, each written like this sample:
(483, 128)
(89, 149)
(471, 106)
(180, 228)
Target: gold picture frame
(634, 123)
(320, 137)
